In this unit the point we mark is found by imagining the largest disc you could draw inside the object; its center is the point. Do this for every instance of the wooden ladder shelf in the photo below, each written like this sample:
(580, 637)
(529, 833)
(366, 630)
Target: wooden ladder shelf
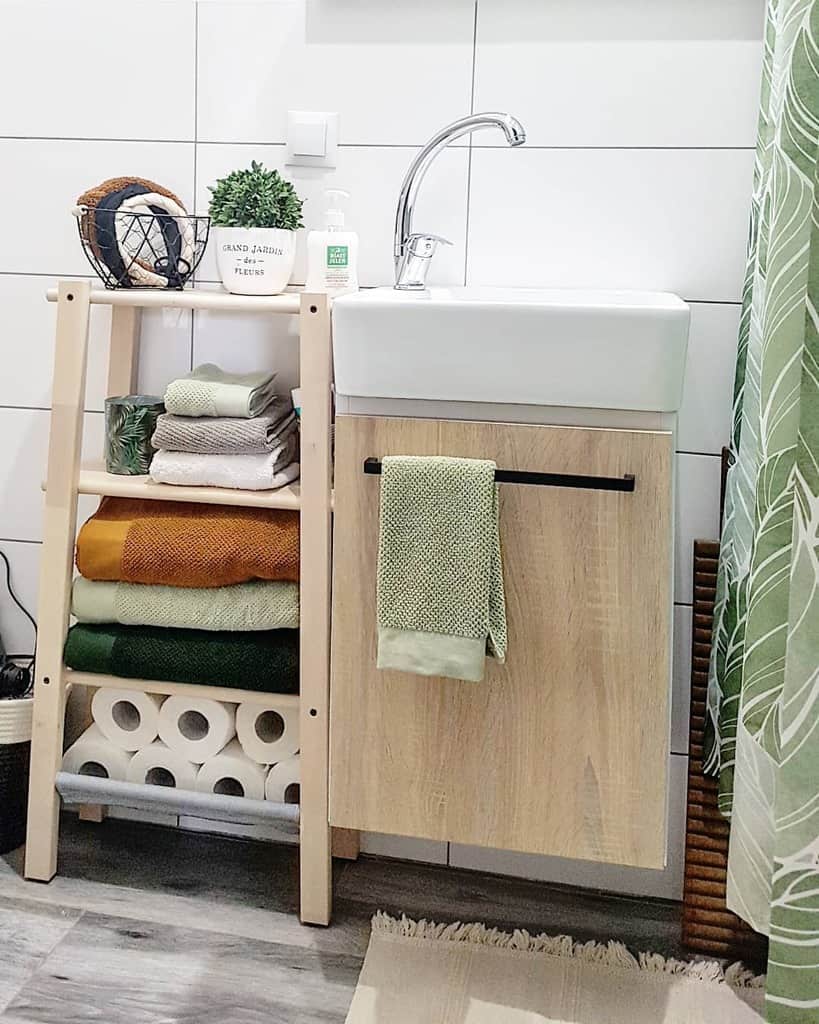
(66, 478)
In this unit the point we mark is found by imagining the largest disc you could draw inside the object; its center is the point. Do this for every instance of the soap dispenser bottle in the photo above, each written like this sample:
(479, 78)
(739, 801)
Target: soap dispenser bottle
(332, 254)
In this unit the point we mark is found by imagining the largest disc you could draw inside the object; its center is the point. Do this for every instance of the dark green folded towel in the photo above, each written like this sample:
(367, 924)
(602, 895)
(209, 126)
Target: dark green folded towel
(265, 660)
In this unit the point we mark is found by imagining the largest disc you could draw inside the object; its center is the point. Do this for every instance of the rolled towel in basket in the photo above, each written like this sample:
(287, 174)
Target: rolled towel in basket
(210, 391)
(265, 472)
(223, 435)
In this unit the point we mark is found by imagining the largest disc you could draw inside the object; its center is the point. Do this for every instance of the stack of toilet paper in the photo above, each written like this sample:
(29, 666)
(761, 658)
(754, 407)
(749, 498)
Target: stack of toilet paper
(245, 750)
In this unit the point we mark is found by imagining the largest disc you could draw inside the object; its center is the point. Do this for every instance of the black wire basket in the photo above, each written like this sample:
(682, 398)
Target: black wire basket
(129, 249)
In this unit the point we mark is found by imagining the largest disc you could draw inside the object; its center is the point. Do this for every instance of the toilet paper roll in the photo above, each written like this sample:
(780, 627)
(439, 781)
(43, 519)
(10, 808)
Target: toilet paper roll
(127, 718)
(232, 773)
(197, 728)
(94, 754)
(268, 733)
(283, 782)
(158, 765)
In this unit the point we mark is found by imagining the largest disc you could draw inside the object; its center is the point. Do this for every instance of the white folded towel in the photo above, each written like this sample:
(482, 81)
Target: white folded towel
(243, 472)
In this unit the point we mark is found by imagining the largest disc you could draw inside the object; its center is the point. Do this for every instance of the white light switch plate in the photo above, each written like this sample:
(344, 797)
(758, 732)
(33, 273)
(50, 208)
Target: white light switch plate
(312, 138)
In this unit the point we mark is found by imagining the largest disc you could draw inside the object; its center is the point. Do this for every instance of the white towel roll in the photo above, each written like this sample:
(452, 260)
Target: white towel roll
(196, 727)
(94, 754)
(232, 773)
(127, 718)
(158, 765)
(284, 781)
(268, 732)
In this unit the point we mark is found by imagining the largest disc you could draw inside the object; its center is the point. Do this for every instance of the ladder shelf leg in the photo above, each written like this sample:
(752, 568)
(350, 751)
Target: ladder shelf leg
(56, 571)
(316, 482)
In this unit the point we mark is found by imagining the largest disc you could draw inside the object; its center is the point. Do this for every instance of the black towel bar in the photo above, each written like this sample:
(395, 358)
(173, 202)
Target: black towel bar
(518, 476)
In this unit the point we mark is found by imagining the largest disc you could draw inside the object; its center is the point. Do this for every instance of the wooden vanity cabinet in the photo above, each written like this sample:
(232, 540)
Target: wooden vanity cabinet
(562, 750)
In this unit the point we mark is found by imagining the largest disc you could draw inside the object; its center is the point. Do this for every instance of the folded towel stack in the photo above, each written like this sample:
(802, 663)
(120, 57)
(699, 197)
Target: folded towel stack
(226, 430)
(204, 594)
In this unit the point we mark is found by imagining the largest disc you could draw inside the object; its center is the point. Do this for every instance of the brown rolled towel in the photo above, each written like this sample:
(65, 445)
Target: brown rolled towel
(180, 544)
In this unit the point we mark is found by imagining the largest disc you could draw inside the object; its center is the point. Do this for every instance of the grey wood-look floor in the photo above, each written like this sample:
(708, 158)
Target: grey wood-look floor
(146, 925)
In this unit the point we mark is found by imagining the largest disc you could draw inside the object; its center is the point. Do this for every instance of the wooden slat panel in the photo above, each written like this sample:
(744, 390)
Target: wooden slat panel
(563, 750)
(708, 925)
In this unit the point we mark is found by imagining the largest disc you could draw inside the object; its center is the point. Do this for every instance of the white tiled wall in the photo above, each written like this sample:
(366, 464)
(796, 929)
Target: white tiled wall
(641, 117)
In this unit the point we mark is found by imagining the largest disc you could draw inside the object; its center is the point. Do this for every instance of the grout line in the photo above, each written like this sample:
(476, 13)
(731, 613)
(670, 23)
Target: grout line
(195, 153)
(683, 604)
(375, 145)
(469, 157)
(702, 455)
(19, 540)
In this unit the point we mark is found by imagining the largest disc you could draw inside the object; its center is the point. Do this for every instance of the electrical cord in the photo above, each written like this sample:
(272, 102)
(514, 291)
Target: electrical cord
(16, 680)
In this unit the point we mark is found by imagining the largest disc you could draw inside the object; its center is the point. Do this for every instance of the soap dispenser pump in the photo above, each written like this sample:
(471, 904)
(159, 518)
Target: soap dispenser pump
(332, 254)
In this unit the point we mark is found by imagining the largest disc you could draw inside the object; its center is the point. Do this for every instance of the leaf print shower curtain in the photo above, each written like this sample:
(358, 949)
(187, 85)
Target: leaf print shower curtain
(763, 701)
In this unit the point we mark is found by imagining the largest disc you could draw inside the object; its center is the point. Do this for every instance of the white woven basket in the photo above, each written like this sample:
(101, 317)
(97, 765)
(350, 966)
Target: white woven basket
(15, 721)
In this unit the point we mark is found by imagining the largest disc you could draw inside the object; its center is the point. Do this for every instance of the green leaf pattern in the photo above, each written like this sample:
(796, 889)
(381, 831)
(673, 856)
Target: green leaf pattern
(763, 701)
(129, 427)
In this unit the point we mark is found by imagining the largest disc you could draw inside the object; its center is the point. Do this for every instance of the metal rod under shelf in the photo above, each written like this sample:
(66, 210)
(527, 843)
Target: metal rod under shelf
(90, 789)
(372, 467)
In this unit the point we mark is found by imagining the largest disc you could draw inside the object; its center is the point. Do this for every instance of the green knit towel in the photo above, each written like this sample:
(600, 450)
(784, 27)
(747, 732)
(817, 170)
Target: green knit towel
(441, 605)
(267, 661)
(260, 604)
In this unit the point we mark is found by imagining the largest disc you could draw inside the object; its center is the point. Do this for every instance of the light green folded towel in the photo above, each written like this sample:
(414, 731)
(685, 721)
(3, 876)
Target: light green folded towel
(441, 605)
(209, 391)
(261, 604)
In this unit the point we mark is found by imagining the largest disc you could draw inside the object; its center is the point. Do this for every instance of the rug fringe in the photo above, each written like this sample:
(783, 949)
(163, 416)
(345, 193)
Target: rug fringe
(611, 953)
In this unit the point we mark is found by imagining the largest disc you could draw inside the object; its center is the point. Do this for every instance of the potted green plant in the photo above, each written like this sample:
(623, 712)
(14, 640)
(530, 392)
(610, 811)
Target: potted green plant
(254, 214)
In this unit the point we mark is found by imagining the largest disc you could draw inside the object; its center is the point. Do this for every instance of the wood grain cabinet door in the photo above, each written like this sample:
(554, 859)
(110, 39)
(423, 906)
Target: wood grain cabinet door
(564, 749)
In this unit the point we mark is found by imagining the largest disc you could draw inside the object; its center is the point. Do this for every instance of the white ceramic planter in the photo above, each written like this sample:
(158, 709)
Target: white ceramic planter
(255, 261)
(15, 721)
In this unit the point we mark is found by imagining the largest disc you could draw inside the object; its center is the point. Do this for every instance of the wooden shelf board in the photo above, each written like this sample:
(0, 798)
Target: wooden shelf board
(222, 693)
(214, 298)
(94, 480)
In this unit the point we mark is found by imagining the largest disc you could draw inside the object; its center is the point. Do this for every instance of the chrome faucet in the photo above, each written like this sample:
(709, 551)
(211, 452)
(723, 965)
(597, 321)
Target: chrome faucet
(413, 251)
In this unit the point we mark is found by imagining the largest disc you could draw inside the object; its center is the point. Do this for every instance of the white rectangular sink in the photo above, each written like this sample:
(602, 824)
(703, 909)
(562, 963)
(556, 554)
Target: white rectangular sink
(546, 347)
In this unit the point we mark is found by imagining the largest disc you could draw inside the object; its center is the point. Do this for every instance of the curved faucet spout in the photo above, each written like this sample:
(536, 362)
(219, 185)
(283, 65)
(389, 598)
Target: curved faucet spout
(513, 132)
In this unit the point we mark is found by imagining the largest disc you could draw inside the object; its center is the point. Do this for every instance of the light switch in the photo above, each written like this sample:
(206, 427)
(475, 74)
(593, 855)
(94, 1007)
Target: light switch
(312, 138)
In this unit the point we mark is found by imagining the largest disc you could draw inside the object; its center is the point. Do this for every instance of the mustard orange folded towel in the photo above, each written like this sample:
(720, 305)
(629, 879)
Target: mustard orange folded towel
(188, 545)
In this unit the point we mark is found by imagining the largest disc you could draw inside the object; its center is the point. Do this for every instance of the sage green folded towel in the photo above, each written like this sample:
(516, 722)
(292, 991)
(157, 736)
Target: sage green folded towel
(262, 604)
(441, 605)
(209, 391)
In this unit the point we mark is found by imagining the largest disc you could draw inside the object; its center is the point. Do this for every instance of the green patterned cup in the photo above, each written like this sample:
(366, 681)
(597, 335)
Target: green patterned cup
(130, 421)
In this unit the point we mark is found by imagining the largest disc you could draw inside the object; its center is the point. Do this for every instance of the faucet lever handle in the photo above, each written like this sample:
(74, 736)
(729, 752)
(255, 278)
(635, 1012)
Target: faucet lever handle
(422, 244)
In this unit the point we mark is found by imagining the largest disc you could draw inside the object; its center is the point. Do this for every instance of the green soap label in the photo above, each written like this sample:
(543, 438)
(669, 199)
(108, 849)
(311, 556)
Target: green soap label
(337, 256)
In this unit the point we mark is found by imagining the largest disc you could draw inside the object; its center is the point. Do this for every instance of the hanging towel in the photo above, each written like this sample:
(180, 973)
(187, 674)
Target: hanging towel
(188, 545)
(267, 661)
(219, 435)
(243, 606)
(441, 605)
(265, 472)
(210, 391)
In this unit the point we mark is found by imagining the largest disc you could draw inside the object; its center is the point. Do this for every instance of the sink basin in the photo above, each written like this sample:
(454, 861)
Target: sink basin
(552, 347)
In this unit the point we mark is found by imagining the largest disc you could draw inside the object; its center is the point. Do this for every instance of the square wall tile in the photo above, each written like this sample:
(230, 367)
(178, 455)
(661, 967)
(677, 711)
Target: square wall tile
(241, 343)
(705, 415)
(15, 629)
(666, 220)
(394, 73)
(373, 176)
(27, 346)
(23, 459)
(98, 70)
(681, 679)
(45, 178)
(666, 884)
(697, 515)
(580, 75)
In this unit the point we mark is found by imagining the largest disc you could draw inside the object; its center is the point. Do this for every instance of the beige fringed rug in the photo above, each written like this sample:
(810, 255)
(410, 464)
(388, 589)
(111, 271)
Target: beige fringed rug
(423, 973)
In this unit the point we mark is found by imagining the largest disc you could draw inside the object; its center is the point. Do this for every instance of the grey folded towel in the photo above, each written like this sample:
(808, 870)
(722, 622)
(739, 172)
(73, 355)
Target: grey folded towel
(223, 435)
